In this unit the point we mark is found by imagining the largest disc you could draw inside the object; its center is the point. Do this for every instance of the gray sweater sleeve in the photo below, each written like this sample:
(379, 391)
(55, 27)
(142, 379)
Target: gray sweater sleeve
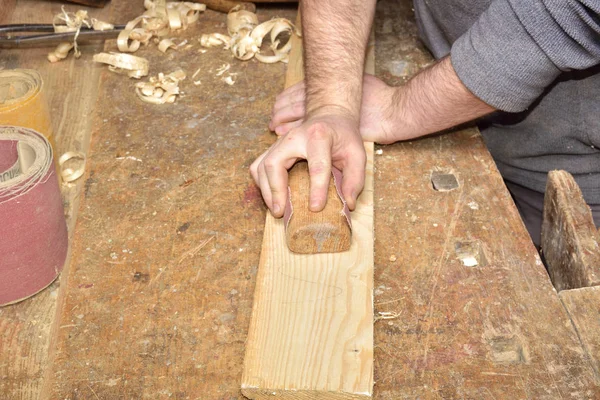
(518, 47)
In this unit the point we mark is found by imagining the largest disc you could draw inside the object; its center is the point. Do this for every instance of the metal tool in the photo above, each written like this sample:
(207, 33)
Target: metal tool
(11, 36)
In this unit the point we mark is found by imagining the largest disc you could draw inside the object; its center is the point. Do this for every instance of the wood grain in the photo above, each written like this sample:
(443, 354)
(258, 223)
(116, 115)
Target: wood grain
(496, 330)
(583, 306)
(569, 236)
(70, 86)
(6, 9)
(167, 318)
(311, 332)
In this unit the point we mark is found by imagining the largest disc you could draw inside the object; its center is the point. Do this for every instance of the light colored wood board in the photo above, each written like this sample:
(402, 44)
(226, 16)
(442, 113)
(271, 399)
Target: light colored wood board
(70, 87)
(311, 327)
(311, 331)
(583, 306)
(569, 236)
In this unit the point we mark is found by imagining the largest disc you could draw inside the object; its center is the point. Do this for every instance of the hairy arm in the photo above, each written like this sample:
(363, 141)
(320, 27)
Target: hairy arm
(336, 33)
(432, 101)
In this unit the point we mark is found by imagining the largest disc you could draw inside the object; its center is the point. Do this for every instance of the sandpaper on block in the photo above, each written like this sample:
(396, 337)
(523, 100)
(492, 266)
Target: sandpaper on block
(308, 232)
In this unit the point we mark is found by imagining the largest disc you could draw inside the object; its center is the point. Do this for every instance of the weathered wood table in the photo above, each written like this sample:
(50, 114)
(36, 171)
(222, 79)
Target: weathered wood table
(156, 300)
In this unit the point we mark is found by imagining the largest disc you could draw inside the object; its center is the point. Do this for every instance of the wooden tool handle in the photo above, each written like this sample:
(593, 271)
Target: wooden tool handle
(226, 5)
(307, 232)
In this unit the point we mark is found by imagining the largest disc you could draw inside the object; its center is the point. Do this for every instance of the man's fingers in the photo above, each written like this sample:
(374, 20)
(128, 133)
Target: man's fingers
(353, 179)
(254, 166)
(283, 129)
(319, 166)
(277, 176)
(263, 183)
(294, 111)
(273, 171)
(294, 92)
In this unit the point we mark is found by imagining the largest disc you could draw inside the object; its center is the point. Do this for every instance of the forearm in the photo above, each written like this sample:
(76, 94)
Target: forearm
(336, 33)
(432, 101)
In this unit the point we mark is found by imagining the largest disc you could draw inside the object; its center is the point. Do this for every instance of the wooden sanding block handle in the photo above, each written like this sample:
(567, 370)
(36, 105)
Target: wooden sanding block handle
(308, 232)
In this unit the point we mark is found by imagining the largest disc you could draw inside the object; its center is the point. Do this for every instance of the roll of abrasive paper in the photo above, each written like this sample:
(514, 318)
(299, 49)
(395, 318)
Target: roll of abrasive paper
(22, 101)
(33, 231)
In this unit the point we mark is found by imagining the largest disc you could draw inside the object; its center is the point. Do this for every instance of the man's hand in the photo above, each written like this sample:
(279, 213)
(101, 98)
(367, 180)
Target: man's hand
(330, 137)
(335, 35)
(433, 100)
(378, 117)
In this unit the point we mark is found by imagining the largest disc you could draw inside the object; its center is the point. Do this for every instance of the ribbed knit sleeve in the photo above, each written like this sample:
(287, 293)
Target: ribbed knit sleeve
(519, 47)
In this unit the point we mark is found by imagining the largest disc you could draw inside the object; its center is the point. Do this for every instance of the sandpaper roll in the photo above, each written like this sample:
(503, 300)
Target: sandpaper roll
(33, 230)
(22, 101)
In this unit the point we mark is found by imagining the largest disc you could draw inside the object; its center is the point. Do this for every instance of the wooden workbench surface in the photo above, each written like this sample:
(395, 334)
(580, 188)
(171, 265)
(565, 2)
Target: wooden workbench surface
(157, 298)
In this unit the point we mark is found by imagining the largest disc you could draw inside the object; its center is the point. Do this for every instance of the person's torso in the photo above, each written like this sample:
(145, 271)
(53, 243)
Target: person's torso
(559, 131)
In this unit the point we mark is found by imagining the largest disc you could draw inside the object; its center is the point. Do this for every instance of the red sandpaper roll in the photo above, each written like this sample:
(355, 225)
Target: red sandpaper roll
(33, 231)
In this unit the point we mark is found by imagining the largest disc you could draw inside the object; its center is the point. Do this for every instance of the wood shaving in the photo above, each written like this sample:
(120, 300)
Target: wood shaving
(161, 89)
(61, 52)
(197, 82)
(134, 67)
(215, 39)
(73, 22)
(246, 37)
(165, 44)
(68, 174)
(158, 20)
(224, 68)
(229, 79)
(238, 20)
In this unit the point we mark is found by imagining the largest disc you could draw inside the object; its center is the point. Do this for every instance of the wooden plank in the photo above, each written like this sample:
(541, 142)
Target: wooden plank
(496, 330)
(569, 236)
(311, 331)
(27, 328)
(583, 306)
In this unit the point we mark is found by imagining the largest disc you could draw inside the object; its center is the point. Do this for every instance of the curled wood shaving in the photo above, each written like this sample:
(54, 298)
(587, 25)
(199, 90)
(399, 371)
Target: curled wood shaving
(133, 66)
(73, 22)
(165, 44)
(238, 20)
(68, 174)
(214, 39)
(247, 37)
(160, 89)
(274, 27)
(61, 52)
(159, 19)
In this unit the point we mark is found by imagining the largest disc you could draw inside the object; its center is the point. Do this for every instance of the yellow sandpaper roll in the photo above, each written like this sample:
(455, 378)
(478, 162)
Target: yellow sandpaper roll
(22, 101)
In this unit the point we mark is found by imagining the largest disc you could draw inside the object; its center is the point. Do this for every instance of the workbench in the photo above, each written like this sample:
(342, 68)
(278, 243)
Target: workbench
(166, 229)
